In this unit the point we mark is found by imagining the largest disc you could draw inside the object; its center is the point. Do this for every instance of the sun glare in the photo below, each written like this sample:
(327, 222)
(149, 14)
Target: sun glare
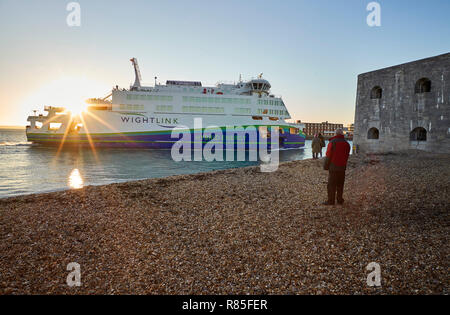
(75, 179)
(68, 92)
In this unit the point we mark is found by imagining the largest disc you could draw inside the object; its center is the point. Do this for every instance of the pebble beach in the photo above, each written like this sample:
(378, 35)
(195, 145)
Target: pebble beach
(238, 231)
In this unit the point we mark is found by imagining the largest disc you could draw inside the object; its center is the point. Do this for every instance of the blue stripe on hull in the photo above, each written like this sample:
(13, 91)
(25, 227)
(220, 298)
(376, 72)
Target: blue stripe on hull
(156, 141)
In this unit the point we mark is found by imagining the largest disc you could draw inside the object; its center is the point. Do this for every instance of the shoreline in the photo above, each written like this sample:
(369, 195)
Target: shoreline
(26, 192)
(237, 231)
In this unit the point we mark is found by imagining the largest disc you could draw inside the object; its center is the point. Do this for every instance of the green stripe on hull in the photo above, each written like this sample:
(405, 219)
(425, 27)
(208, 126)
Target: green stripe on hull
(142, 141)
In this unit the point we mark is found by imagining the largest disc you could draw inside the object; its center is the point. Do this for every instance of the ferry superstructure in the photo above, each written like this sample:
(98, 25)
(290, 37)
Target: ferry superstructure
(145, 116)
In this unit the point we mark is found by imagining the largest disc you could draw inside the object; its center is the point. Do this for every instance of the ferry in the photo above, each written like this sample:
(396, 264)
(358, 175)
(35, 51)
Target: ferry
(147, 116)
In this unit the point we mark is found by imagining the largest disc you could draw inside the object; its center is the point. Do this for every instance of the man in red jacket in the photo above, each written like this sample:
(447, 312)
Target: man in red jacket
(338, 151)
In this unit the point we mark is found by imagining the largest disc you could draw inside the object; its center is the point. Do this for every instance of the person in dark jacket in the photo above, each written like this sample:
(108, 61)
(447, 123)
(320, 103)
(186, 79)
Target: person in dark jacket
(316, 147)
(322, 143)
(338, 151)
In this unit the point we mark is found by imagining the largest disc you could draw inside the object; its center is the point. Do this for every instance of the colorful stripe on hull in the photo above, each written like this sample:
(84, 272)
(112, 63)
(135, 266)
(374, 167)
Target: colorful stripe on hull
(154, 140)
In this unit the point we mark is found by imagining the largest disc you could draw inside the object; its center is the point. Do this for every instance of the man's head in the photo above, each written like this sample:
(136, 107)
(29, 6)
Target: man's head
(339, 132)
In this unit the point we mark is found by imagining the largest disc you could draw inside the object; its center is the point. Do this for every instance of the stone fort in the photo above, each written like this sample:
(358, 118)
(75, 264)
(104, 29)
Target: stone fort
(404, 107)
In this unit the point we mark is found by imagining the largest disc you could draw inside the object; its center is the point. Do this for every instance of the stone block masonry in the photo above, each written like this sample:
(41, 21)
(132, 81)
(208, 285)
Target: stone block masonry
(404, 107)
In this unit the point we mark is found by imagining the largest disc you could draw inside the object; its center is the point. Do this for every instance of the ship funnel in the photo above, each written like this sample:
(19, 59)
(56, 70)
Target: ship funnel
(137, 73)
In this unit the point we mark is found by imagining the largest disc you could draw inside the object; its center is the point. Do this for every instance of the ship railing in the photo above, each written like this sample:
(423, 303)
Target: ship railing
(275, 96)
(53, 108)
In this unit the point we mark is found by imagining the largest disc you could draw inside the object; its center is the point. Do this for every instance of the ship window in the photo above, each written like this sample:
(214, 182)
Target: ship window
(423, 86)
(238, 110)
(373, 134)
(217, 110)
(418, 134)
(200, 109)
(257, 118)
(54, 126)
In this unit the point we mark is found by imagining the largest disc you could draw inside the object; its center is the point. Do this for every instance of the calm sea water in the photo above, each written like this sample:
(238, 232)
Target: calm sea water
(27, 168)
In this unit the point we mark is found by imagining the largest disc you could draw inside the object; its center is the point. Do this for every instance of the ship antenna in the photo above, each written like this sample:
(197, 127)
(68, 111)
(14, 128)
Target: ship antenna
(137, 73)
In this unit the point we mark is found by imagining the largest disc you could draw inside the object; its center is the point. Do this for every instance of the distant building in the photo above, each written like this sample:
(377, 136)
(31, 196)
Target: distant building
(325, 128)
(349, 130)
(404, 107)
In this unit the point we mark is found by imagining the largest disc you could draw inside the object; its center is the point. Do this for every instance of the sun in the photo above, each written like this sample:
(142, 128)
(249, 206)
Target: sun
(70, 92)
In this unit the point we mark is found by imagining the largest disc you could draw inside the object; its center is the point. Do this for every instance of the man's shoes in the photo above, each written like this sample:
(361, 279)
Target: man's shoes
(341, 202)
(326, 203)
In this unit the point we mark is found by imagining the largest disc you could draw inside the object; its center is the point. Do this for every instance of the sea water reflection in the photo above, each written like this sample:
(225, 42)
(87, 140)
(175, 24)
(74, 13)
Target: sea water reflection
(26, 168)
(75, 179)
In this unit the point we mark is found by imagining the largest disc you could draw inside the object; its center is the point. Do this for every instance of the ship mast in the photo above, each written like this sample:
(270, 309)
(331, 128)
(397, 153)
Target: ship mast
(137, 73)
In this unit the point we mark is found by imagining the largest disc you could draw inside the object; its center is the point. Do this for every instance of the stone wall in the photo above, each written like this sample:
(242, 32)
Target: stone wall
(404, 105)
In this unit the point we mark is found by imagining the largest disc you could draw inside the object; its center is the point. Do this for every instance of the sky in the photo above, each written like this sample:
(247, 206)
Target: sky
(310, 51)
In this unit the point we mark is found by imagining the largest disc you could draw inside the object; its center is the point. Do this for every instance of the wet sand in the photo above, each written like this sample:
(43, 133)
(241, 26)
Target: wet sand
(238, 231)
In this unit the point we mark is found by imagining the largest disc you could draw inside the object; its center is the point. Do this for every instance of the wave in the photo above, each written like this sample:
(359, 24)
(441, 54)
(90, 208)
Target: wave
(15, 144)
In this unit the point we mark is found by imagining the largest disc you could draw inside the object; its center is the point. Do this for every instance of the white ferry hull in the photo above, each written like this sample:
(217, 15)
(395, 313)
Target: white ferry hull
(116, 129)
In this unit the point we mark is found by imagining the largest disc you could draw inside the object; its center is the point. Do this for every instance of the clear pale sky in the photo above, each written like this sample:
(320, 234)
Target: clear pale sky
(310, 51)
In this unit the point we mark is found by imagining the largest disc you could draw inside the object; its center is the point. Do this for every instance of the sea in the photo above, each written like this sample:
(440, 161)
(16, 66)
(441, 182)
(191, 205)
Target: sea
(27, 168)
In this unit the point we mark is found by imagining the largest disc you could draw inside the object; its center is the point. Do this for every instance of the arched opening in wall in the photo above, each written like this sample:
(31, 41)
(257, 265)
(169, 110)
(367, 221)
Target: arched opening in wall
(423, 86)
(373, 134)
(418, 134)
(376, 93)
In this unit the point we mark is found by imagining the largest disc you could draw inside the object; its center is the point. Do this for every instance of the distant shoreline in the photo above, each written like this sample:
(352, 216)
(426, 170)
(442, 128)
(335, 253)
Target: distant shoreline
(12, 127)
